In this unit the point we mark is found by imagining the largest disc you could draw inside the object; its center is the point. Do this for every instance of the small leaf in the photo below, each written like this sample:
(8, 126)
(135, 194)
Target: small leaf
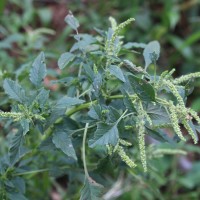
(117, 72)
(151, 53)
(38, 70)
(95, 112)
(91, 190)
(42, 97)
(25, 125)
(72, 21)
(14, 90)
(63, 141)
(105, 134)
(97, 82)
(64, 59)
(142, 88)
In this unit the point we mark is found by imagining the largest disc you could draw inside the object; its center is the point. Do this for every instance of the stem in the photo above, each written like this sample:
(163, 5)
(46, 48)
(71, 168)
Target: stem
(79, 74)
(83, 151)
(86, 105)
(155, 67)
(80, 107)
(122, 116)
(81, 129)
(32, 172)
(38, 171)
(128, 115)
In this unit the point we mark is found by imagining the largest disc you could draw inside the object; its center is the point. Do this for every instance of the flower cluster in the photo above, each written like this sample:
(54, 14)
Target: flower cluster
(113, 44)
(121, 152)
(186, 78)
(14, 115)
(141, 133)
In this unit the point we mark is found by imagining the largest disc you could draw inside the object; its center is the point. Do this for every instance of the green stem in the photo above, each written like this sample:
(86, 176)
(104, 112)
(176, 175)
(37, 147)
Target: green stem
(82, 129)
(87, 105)
(155, 67)
(122, 116)
(32, 172)
(80, 107)
(39, 171)
(83, 151)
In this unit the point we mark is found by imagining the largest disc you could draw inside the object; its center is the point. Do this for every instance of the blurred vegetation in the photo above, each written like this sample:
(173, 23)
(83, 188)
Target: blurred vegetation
(29, 26)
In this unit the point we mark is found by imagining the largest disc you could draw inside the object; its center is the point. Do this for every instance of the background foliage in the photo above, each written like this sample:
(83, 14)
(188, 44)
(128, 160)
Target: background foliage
(27, 27)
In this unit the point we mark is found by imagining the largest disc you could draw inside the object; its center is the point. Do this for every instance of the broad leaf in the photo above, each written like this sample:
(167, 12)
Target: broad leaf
(14, 90)
(47, 145)
(16, 196)
(19, 183)
(72, 21)
(105, 134)
(117, 72)
(38, 70)
(66, 101)
(91, 190)
(159, 135)
(151, 53)
(192, 126)
(142, 88)
(60, 108)
(62, 140)
(157, 113)
(127, 101)
(65, 59)
(17, 150)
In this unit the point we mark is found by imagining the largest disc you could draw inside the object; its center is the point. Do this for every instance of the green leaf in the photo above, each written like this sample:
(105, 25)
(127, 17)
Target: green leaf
(105, 134)
(192, 126)
(91, 190)
(95, 112)
(19, 183)
(127, 101)
(14, 90)
(157, 113)
(142, 88)
(151, 53)
(60, 108)
(159, 135)
(16, 196)
(62, 140)
(25, 125)
(65, 59)
(17, 150)
(66, 101)
(47, 145)
(42, 97)
(38, 70)
(72, 21)
(117, 72)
